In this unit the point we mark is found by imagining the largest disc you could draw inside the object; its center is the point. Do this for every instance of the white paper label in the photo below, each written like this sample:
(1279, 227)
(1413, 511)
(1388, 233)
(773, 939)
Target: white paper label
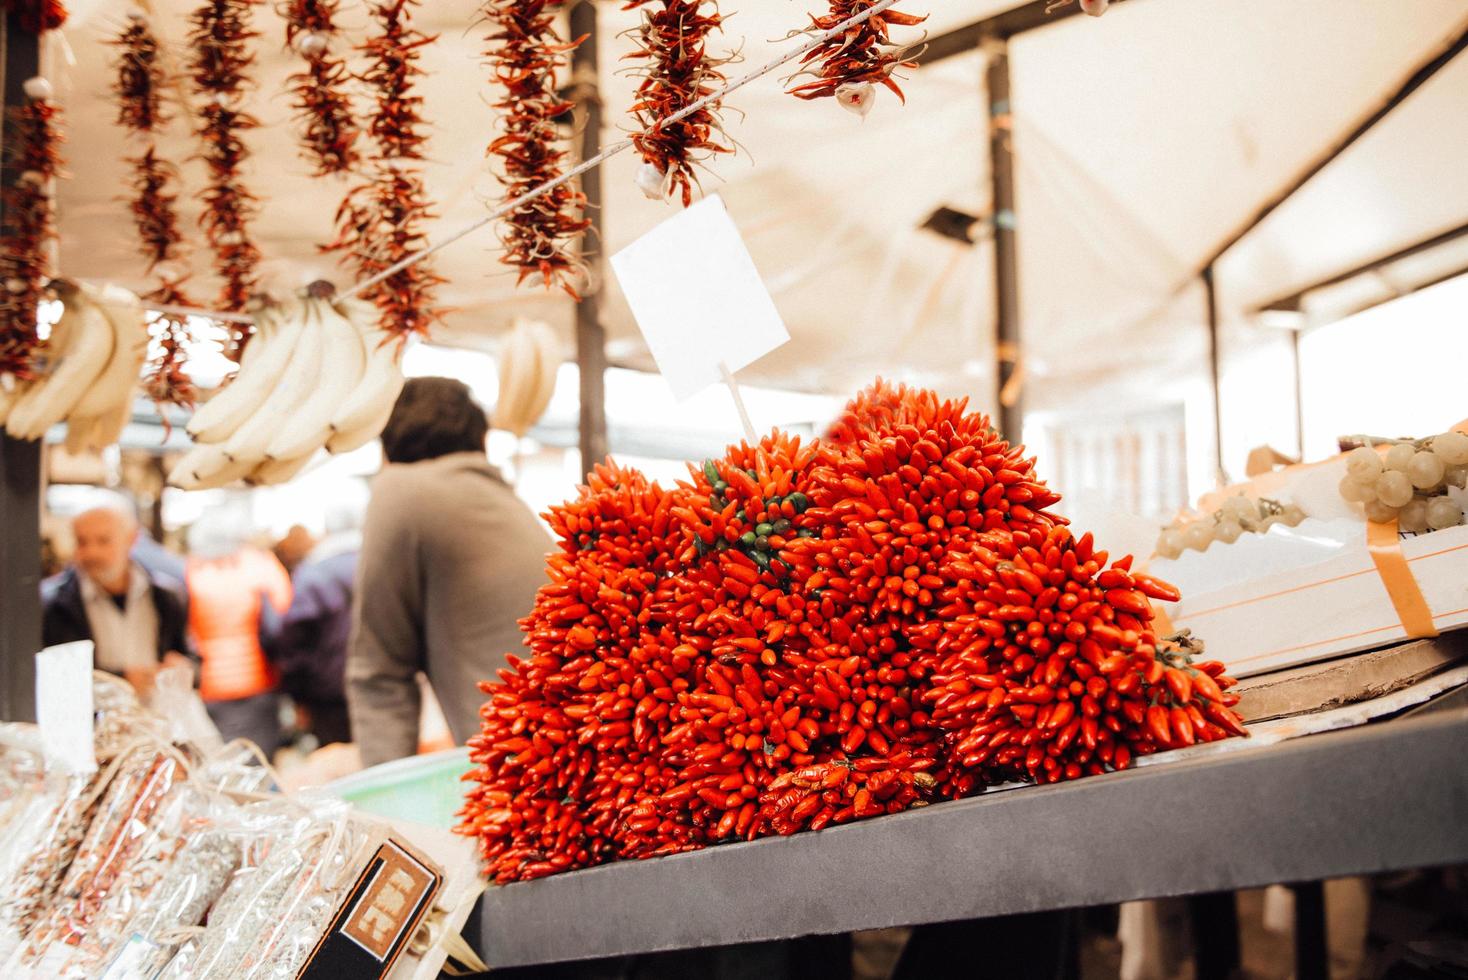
(698, 298)
(135, 962)
(64, 705)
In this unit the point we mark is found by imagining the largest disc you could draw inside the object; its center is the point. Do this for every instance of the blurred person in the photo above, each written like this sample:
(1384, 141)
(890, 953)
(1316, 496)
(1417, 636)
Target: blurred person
(292, 549)
(450, 560)
(229, 583)
(308, 643)
(136, 619)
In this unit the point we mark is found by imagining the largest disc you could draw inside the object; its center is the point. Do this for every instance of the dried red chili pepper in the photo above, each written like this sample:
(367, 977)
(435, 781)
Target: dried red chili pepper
(380, 220)
(33, 150)
(142, 111)
(322, 104)
(526, 53)
(677, 70)
(219, 63)
(850, 65)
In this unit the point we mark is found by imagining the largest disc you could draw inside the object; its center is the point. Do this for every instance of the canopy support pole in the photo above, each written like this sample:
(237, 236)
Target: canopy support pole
(1299, 396)
(1210, 299)
(591, 338)
(1006, 255)
(20, 468)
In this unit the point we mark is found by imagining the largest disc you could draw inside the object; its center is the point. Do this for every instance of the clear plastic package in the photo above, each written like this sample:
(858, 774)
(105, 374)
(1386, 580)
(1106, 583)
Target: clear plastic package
(133, 815)
(298, 859)
(165, 892)
(43, 843)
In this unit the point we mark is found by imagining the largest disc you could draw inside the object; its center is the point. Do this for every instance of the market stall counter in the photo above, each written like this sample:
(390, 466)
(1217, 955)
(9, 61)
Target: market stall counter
(1302, 810)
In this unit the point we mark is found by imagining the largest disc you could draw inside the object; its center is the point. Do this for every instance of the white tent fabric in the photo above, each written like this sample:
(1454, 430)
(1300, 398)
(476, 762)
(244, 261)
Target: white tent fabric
(1143, 140)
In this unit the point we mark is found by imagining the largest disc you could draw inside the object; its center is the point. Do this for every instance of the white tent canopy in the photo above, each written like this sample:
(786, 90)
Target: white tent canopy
(1143, 140)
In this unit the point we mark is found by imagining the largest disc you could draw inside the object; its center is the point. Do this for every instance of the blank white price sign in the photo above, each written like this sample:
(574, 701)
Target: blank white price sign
(64, 705)
(698, 298)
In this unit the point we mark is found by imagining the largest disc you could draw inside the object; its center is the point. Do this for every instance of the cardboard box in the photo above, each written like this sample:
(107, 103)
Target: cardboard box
(1298, 595)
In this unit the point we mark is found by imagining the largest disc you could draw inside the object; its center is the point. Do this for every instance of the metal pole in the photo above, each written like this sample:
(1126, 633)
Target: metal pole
(1006, 257)
(1299, 396)
(1210, 294)
(591, 338)
(20, 467)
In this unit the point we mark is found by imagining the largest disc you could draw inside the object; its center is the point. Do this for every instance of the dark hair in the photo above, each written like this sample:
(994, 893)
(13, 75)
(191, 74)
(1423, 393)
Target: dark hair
(433, 417)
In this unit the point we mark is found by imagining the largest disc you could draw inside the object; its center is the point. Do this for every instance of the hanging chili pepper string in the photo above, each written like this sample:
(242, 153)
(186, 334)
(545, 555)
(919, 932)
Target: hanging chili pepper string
(142, 110)
(33, 140)
(379, 223)
(530, 195)
(220, 59)
(328, 131)
(526, 54)
(849, 64)
(672, 40)
(38, 16)
(430, 249)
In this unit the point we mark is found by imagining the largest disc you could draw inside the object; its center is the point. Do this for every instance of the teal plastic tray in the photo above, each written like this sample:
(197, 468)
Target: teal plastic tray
(425, 789)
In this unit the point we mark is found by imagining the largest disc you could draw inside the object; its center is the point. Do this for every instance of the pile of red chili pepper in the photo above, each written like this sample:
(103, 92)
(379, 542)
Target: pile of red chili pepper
(807, 634)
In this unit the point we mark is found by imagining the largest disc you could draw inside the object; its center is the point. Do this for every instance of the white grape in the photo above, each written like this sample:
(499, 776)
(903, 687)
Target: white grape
(1363, 463)
(1170, 543)
(1452, 447)
(1240, 508)
(1198, 535)
(1292, 515)
(1426, 471)
(1228, 530)
(1379, 512)
(1399, 456)
(1456, 476)
(1393, 488)
(1358, 492)
(1413, 516)
(1443, 512)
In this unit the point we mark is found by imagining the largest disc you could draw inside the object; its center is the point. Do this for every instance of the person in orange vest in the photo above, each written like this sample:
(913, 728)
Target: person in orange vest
(228, 583)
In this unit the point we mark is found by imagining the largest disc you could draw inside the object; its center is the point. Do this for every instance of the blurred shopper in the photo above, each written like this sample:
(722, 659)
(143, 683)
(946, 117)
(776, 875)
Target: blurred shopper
(308, 644)
(451, 558)
(292, 549)
(228, 584)
(136, 619)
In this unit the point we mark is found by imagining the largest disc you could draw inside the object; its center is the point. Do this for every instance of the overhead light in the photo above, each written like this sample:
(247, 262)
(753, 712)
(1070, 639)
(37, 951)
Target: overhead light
(952, 223)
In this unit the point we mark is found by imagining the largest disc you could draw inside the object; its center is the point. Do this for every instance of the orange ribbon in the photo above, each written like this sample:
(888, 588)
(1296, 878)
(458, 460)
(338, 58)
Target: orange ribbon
(1396, 576)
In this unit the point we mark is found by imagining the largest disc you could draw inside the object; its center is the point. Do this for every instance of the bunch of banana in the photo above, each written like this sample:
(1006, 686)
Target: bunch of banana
(528, 366)
(94, 358)
(316, 375)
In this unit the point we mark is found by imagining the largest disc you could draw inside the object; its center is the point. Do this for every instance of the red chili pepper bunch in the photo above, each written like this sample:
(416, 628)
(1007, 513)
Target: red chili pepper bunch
(328, 131)
(803, 635)
(525, 53)
(141, 110)
(1041, 662)
(219, 63)
(33, 146)
(38, 16)
(380, 220)
(677, 71)
(861, 55)
(557, 764)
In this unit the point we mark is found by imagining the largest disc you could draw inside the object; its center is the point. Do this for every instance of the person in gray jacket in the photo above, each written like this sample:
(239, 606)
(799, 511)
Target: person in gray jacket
(450, 560)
